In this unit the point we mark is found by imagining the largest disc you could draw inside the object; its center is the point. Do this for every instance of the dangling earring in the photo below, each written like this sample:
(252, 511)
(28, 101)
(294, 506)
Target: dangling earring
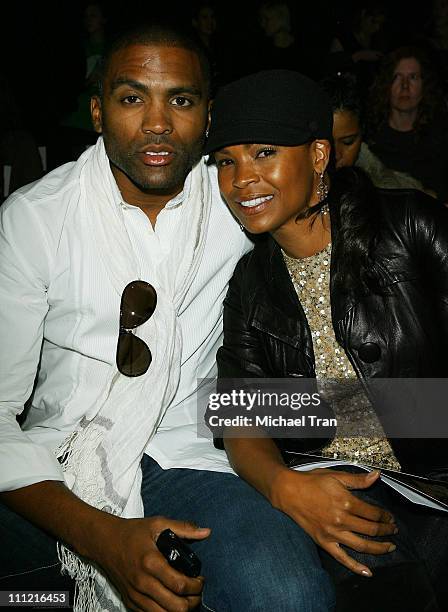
(322, 193)
(322, 188)
(206, 133)
(242, 228)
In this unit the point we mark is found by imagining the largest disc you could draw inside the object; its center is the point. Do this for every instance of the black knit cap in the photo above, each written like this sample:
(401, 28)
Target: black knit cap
(280, 107)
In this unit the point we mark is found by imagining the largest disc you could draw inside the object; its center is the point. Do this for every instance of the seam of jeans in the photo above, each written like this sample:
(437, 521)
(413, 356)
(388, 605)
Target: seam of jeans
(206, 607)
(37, 569)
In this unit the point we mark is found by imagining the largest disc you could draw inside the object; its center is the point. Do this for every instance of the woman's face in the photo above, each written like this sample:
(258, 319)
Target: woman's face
(267, 186)
(407, 85)
(347, 138)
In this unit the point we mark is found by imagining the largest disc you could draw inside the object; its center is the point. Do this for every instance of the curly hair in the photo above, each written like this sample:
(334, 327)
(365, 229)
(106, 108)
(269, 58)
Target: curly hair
(379, 98)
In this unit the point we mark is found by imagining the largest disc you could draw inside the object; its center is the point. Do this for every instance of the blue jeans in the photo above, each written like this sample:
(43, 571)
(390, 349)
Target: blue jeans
(256, 558)
(28, 557)
(414, 577)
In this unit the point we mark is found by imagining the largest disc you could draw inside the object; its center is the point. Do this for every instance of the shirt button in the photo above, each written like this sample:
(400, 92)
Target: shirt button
(369, 352)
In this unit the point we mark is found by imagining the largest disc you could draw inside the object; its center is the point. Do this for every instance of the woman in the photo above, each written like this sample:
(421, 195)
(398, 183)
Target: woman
(407, 119)
(348, 129)
(378, 310)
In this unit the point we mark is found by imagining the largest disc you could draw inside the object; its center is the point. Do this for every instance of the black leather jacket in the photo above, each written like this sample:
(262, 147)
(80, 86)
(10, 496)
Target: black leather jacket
(401, 331)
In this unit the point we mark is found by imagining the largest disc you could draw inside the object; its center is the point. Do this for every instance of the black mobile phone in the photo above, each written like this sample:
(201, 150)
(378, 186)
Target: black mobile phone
(178, 554)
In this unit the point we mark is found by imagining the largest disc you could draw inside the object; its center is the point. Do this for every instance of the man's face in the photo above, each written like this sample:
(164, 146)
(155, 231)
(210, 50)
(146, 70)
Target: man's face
(152, 116)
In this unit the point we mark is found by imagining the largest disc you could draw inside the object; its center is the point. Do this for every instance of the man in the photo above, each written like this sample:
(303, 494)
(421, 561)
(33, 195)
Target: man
(135, 229)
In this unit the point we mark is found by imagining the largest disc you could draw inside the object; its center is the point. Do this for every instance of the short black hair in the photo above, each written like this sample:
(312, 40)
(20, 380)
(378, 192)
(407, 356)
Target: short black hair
(160, 33)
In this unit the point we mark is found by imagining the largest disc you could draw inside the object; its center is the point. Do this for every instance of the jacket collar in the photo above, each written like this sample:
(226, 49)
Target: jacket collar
(273, 302)
(274, 307)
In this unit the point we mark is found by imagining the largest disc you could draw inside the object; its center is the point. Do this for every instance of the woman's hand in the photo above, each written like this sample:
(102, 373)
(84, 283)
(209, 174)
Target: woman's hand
(321, 503)
(141, 573)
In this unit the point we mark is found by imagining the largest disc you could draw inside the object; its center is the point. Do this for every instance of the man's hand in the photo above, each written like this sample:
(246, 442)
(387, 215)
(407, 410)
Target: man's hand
(138, 569)
(320, 501)
(125, 548)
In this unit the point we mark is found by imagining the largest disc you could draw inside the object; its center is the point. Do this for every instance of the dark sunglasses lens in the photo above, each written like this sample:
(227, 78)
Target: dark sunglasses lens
(133, 356)
(138, 302)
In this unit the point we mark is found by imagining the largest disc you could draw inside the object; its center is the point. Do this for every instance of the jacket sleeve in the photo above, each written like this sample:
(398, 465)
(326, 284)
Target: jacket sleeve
(431, 238)
(241, 354)
(426, 228)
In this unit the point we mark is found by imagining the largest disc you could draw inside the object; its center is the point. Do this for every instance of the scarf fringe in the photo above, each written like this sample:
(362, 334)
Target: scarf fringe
(81, 445)
(85, 577)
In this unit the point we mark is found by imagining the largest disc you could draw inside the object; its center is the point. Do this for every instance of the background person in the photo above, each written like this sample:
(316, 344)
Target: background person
(435, 34)
(205, 21)
(407, 119)
(94, 20)
(348, 129)
(281, 45)
(18, 147)
(357, 45)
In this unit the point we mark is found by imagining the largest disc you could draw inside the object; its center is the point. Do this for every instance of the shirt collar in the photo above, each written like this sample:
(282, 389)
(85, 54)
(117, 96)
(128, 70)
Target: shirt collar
(183, 195)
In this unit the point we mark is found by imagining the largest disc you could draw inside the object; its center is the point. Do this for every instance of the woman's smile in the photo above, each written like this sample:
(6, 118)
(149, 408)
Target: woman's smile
(254, 201)
(251, 205)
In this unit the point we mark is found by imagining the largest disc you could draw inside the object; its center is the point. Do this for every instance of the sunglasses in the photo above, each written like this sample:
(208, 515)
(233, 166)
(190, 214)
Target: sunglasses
(138, 302)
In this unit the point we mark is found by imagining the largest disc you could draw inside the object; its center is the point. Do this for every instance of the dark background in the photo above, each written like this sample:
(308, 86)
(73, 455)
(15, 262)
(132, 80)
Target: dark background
(41, 42)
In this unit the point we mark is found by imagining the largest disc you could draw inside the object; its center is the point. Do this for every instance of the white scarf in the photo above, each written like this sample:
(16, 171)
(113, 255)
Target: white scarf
(102, 457)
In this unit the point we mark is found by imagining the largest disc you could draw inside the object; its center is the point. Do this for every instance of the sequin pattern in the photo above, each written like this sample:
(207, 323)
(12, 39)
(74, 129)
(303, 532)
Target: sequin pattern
(311, 280)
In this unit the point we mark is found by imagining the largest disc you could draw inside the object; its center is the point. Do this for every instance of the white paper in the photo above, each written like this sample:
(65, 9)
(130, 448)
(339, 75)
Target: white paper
(410, 494)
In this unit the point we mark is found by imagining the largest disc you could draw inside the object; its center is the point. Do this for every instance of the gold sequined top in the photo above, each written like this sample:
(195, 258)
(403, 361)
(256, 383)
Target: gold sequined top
(352, 409)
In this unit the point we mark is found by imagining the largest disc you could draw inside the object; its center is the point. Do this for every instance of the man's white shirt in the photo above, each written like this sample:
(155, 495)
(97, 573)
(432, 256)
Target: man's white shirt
(57, 309)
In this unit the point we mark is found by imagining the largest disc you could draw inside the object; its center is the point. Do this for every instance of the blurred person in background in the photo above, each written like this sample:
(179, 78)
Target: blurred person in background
(407, 118)
(76, 127)
(348, 129)
(357, 46)
(18, 147)
(282, 47)
(436, 35)
(205, 23)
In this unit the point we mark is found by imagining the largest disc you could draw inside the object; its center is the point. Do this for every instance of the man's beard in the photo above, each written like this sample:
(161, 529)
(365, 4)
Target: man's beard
(157, 179)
